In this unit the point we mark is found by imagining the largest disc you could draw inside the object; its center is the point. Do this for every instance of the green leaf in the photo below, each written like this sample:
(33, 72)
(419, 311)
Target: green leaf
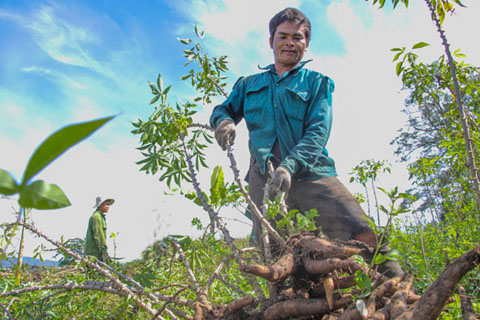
(167, 89)
(154, 99)
(394, 255)
(458, 54)
(8, 186)
(43, 196)
(160, 83)
(420, 45)
(399, 68)
(379, 258)
(59, 142)
(145, 278)
(184, 41)
(447, 6)
(397, 56)
(197, 32)
(362, 279)
(216, 181)
(153, 88)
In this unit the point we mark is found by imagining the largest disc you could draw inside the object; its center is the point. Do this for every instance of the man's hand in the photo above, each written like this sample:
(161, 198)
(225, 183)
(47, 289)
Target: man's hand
(225, 133)
(281, 181)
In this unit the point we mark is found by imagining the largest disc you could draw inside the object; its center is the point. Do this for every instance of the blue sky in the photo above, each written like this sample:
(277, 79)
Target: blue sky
(68, 61)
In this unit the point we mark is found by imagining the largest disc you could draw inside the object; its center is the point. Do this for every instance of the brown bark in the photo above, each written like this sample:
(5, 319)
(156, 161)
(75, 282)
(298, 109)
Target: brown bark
(328, 265)
(433, 300)
(382, 314)
(326, 248)
(399, 299)
(380, 292)
(466, 305)
(276, 272)
(303, 307)
(329, 317)
(198, 312)
(240, 303)
(351, 313)
(339, 283)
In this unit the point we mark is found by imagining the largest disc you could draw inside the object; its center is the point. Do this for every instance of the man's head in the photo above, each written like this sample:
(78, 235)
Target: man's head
(292, 15)
(289, 38)
(103, 205)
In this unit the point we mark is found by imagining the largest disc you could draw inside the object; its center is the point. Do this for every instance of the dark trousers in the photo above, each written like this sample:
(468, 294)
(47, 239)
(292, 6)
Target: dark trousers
(340, 216)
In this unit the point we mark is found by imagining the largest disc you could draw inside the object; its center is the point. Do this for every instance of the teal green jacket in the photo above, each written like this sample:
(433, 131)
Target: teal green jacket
(296, 109)
(96, 239)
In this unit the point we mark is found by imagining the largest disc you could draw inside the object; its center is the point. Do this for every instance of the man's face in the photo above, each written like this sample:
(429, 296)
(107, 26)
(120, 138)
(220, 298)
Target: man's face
(104, 208)
(288, 44)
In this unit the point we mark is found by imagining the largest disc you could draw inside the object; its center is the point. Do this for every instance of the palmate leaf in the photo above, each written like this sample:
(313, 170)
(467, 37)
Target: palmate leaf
(43, 196)
(59, 142)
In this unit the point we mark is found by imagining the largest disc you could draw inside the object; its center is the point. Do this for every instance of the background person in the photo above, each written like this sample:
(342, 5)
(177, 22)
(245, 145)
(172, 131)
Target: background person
(96, 238)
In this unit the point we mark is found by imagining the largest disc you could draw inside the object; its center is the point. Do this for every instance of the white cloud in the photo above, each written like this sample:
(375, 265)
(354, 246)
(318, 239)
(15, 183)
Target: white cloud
(37, 70)
(59, 38)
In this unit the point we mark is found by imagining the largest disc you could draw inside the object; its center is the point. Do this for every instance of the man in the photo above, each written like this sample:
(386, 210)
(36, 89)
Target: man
(96, 239)
(287, 109)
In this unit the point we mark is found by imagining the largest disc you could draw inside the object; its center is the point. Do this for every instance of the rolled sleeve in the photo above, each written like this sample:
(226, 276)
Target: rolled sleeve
(231, 108)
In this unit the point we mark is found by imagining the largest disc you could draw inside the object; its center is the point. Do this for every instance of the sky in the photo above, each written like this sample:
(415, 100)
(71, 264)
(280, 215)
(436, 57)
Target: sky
(63, 62)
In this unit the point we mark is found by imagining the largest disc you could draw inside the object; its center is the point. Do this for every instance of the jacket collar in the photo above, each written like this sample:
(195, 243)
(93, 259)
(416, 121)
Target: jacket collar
(103, 214)
(272, 66)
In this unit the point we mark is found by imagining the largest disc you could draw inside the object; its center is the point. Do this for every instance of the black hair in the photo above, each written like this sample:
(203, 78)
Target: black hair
(291, 15)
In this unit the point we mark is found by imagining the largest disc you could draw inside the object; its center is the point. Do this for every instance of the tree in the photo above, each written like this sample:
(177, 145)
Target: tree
(432, 139)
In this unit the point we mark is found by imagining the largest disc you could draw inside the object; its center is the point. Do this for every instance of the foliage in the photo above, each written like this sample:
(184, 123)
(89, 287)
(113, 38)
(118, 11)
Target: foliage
(74, 244)
(169, 275)
(365, 172)
(163, 135)
(441, 6)
(221, 194)
(440, 143)
(434, 135)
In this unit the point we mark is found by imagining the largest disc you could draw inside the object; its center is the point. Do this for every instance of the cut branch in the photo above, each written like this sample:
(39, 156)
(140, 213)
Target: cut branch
(433, 300)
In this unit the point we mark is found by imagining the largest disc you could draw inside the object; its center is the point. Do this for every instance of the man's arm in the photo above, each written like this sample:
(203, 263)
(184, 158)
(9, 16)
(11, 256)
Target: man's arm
(232, 107)
(318, 122)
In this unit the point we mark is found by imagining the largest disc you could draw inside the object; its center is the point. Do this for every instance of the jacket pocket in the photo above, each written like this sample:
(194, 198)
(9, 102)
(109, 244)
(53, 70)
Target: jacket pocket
(255, 105)
(297, 103)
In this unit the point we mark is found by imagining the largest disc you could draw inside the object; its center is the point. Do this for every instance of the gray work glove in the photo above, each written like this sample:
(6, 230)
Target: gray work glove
(281, 181)
(225, 133)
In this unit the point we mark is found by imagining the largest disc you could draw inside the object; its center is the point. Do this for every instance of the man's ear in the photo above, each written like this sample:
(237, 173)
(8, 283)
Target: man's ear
(271, 42)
